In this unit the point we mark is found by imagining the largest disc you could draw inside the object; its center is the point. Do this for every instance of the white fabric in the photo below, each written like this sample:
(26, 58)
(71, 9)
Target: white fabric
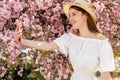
(87, 55)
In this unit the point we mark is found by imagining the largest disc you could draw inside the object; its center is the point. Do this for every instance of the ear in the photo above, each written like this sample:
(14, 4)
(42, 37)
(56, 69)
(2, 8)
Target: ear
(85, 16)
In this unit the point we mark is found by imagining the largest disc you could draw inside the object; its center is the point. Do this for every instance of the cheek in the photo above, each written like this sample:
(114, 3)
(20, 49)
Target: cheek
(80, 19)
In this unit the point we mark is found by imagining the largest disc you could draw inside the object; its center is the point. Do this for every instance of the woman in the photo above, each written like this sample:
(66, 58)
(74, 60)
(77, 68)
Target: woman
(89, 51)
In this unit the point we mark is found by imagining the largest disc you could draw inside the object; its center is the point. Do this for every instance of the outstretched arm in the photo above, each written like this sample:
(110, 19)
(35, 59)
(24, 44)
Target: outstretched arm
(40, 45)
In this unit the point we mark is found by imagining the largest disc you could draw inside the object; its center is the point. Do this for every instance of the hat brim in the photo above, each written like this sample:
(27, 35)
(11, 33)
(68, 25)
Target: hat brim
(86, 7)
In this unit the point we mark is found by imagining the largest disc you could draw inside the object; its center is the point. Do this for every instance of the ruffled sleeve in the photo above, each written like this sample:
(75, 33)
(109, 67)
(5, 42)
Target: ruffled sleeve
(63, 43)
(106, 58)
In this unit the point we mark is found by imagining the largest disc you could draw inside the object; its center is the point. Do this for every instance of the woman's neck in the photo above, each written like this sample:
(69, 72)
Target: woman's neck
(84, 31)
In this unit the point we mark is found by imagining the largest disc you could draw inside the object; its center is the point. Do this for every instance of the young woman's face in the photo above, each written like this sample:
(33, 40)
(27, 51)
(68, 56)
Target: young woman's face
(76, 18)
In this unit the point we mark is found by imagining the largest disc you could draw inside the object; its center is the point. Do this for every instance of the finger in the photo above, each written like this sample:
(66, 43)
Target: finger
(17, 33)
(20, 34)
(18, 27)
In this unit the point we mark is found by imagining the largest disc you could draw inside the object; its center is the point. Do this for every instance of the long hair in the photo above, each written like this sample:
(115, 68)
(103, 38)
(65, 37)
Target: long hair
(90, 23)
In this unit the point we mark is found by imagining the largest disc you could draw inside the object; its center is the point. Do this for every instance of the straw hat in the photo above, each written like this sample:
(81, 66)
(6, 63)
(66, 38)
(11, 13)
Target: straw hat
(82, 4)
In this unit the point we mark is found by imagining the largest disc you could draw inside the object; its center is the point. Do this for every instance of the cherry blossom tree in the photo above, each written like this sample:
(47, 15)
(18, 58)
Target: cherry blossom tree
(45, 20)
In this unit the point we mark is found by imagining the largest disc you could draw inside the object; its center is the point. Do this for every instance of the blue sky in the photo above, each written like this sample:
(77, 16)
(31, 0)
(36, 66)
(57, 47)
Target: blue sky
(0, 52)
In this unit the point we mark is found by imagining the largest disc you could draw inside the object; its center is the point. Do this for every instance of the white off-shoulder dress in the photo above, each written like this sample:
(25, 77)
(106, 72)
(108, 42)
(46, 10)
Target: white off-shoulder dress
(87, 55)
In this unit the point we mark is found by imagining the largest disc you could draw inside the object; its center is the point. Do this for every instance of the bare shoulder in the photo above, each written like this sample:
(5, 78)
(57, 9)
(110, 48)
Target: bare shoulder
(101, 37)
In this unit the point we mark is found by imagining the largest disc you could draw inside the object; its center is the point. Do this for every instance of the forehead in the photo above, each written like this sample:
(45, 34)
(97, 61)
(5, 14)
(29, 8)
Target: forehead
(72, 10)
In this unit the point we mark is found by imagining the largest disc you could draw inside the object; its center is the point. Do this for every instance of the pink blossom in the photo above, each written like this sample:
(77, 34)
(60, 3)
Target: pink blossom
(26, 22)
(20, 72)
(15, 15)
(3, 69)
(2, 25)
(39, 3)
(16, 6)
(5, 13)
(2, 57)
(40, 20)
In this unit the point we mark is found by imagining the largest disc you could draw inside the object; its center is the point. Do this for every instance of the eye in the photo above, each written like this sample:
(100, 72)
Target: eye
(73, 14)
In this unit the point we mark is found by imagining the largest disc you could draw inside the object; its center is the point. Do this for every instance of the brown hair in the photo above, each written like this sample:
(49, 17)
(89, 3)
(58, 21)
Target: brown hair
(90, 23)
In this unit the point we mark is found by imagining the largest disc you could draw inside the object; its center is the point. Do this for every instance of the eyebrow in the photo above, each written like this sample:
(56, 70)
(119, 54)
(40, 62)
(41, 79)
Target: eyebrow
(72, 13)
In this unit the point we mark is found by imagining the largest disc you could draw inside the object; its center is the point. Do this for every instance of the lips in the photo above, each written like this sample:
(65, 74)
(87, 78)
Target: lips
(74, 31)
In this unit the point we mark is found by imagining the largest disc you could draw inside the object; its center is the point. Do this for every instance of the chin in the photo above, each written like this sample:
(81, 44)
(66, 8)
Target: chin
(74, 29)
